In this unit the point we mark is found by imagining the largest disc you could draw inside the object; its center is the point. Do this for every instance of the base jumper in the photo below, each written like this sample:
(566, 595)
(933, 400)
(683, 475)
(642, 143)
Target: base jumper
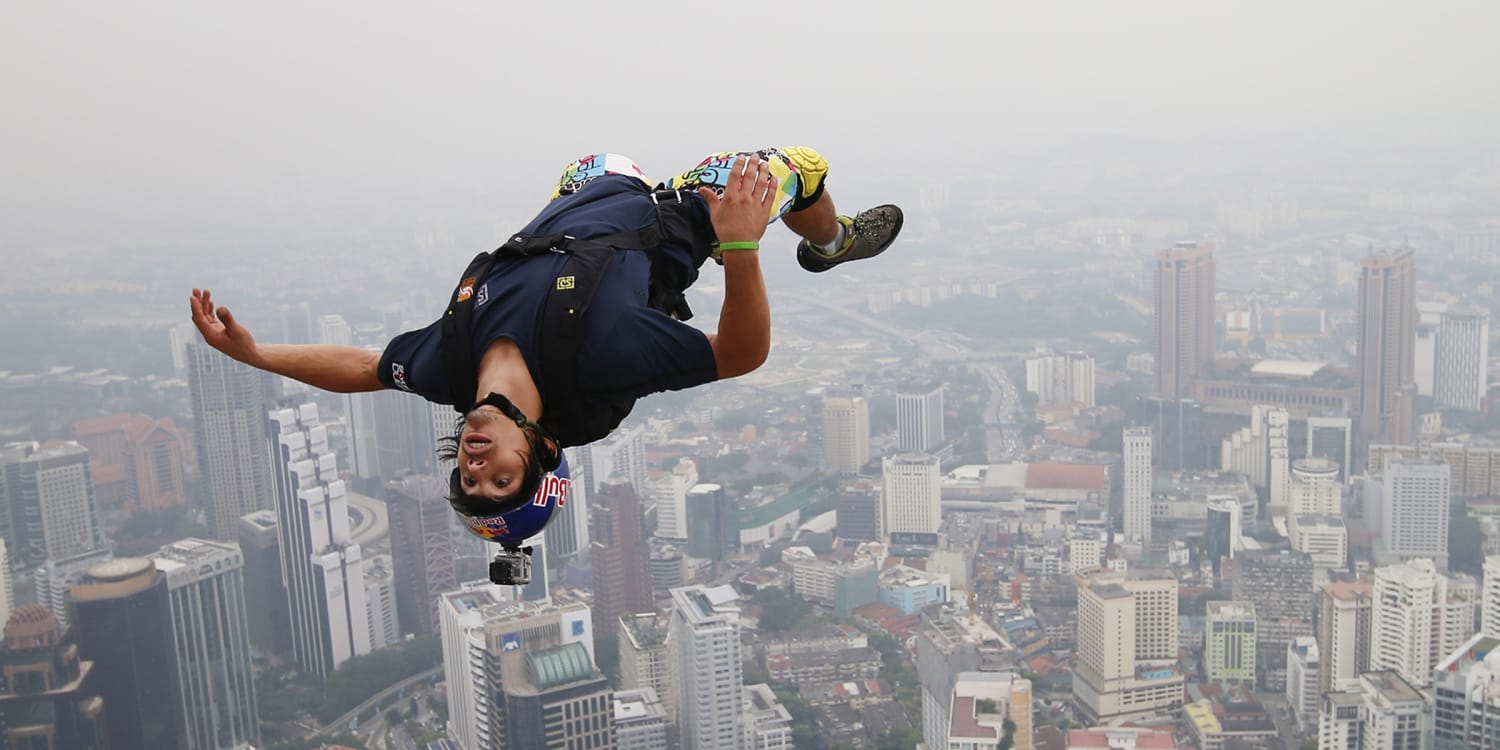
(548, 341)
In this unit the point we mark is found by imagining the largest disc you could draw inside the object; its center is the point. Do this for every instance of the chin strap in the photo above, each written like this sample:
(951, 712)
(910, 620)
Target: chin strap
(537, 436)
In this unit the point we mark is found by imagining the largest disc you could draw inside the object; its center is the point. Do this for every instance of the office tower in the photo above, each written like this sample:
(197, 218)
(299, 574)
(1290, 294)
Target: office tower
(1332, 438)
(1343, 633)
(1223, 529)
(268, 620)
(296, 323)
(1303, 670)
(1127, 648)
(640, 720)
(1229, 642)
(1184, 319)
(949, 643)
(670, 495)
(1466, 689)
(513, 668)
(846, 433)
(1137, 485)
(404, 438)
(708, 522)
(123, 620)
(55, 578)
(1414, 620)
(230, 401)
(1461, 378)
(1316, 490)
(49, 698)
(1280, 584)
(206, 591)
(567, 534)
(705, 636)
(857, 512)
(619, 558)
(645, 662)
(1380, 712)
(911, 498)
(1386, 316)
(360, 432)
(1177, 432)
(1260, 451)
(983, 703)
(1066, 378)
(1414, 510)
(622, 455)
(322, 567)
(919, 417)
(52, 510)
(7, 586)
(136, 461)
(333, 329)
(1429, 318)
(421, 548)
(380, 603)
(1490, 608)
(668, 568)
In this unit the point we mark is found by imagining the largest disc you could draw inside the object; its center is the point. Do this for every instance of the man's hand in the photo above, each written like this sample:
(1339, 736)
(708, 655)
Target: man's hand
(740, 216)
(220, 330)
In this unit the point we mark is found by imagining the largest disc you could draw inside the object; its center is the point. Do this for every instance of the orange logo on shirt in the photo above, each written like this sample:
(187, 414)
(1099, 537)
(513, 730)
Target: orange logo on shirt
(466, 288)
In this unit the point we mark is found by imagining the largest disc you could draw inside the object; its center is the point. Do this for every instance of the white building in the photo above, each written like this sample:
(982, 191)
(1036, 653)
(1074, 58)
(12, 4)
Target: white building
(1302, 675)
(1414, 622)
(1324, 538)
(705, 636)
(1382, 712)
(1490, 611)
(361, 431)
(1137, 484)
(846, 433)
(1466, 688)
(622, 455)
(670, 495)
(567, 534)
(768, 725)
(322, 567)
(1461, 376)
(1229, 642)
(911, 498)
(919, 417)
(982, 703)
(7, 586)
(55, 578)
(640, 720)
(645, 663)
(1061, 378)
(50, 499)
(229, 402)
(1414, 509)
(1315, 490)
(1085, 553)
(1343, 633)
(380, 603)
(1127, 648)
(1260, 452)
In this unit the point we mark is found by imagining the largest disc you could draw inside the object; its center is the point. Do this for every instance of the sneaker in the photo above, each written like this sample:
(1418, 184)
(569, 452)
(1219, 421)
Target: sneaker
(866, 235)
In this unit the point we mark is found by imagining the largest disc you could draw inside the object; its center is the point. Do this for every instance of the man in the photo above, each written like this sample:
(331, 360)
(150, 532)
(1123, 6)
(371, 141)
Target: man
(560, 330)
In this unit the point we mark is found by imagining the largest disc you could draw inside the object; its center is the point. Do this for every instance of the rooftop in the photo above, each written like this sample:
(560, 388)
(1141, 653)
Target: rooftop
(1286, 368)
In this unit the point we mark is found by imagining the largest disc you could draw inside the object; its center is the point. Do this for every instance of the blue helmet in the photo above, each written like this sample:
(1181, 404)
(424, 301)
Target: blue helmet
(513, 528)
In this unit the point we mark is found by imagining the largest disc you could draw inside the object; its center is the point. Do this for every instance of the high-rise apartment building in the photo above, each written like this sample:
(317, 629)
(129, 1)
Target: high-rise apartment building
(1184, 318)
(846, 433)
(49, 698)
(1303, 671)
(1386, 316)
(567, 534)
(1280, 584)
(1466, 689)
(422, 552)
(123, 620)
(705, 636)
(619, 558)
(230, 401)
(1381, 712)
(1415, 621)
(911, 497)
(1490, 598)
(919, 417)
(1127, 648)
(1461, 371)
(206, 591)
(269, 621)
(381, 615)
(1066, 378)
(322, 567)
(51, 509)
(1414, 510)
(1136, 504)
(1343, 633)
(645, 662)
(669, 492)
(619, 457)
(1229, 642)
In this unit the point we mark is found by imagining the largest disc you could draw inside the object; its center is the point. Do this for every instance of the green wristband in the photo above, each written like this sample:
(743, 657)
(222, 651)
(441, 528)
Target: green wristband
(739, 245)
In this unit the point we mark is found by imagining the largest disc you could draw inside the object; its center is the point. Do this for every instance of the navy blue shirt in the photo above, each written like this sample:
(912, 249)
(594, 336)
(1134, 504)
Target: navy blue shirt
(629, 350)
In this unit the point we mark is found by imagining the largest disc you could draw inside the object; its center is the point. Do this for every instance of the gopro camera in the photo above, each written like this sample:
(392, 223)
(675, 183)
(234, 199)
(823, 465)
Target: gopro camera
(511, 567)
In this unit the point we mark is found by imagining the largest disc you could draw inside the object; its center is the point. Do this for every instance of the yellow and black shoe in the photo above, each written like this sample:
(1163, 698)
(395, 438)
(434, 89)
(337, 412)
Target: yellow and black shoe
(866, 235)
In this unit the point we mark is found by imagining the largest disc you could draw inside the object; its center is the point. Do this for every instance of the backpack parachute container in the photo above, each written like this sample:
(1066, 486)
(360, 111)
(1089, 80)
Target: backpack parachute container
(512, 564)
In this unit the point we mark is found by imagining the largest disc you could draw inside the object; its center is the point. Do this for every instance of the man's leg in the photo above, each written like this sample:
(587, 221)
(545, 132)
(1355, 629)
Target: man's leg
(818, 223)
(828, 238)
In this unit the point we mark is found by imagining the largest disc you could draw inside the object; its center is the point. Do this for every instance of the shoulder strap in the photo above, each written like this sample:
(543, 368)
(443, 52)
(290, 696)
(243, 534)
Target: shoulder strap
(458, 319)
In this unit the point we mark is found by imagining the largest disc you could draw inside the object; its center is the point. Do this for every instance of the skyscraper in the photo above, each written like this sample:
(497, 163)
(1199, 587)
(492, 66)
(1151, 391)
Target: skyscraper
(1460, 373)
(50, 697)
(1414, 622)
(911, 494)
(1387, 317)
(322, 567)
(1177, 432)
(403, 433)
(846, 433)
(640, 720)
(919, 416)
(1414, 509)
(1466, 709)
(620, 558)
(269, 621)
(421, 548)
(50, 489)
(857, 512)
(1127, 647)
(556, 699)
(1490, 607)
(206, 590)
(230, 401)
(380, 603)
(1332, 438)
(7, 586)
(1184, 318)
(1343, 634)
(1280, 584)
(1137, 484)
(708, 522)
(670, 494)
(1061, 378)
(1315, 488)
(363, 439)
(622, 455)
(567, 534)
(123, 621)
(705, 633)
(645, 661)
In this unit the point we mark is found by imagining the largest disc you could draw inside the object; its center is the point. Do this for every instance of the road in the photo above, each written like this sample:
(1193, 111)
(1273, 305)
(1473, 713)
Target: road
(373, 523)
(341, 724)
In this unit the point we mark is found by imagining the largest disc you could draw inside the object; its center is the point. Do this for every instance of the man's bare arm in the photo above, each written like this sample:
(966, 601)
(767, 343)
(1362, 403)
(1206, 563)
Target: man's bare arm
(743, 339)
(341, 369)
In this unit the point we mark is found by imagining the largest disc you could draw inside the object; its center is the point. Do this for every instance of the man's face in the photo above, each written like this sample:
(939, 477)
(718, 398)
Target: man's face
(491, 453)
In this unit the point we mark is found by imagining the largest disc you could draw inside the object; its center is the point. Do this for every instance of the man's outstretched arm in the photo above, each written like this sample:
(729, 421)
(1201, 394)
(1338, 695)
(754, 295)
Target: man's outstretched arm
(341, 369)
(743, 339)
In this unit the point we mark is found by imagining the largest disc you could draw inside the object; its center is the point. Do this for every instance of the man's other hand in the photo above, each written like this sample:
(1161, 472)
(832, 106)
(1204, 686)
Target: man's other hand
(740, 216)
(220, 330)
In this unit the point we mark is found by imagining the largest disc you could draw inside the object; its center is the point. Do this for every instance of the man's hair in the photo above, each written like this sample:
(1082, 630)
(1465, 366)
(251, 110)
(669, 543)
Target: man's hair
(480, 505)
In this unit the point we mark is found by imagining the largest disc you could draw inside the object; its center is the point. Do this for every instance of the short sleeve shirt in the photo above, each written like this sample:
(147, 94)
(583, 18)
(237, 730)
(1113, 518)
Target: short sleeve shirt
(629, 350)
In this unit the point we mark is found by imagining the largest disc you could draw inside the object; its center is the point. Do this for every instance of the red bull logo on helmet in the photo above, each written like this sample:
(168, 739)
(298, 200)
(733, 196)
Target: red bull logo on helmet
(528, 520)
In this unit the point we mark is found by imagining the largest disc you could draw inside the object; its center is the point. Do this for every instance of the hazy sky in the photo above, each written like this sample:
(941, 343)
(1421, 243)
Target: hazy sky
(125, 119)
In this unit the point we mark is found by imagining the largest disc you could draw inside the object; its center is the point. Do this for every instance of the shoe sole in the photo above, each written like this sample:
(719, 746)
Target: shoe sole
(815, 263)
